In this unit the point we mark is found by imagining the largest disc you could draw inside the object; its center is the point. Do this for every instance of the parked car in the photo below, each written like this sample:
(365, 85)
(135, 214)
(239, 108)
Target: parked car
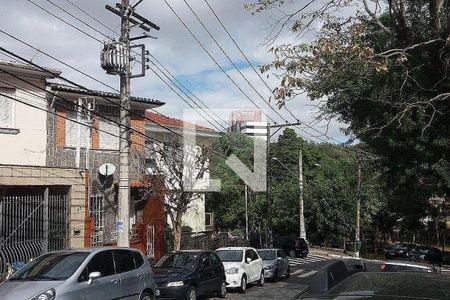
(293, 247)
(399, 251)
(407, 266)
(333, 281)
(242, 266)
(426, 254)
(189, 274)
(275, 263)
(101, 273)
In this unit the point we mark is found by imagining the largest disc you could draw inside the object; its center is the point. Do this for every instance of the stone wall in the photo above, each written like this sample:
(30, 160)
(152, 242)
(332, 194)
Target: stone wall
(43, 176)
(61, 156)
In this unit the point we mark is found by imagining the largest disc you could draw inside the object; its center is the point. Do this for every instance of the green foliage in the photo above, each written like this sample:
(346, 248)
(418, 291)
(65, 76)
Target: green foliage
(386, 76)
(229, 205)
(329, 189)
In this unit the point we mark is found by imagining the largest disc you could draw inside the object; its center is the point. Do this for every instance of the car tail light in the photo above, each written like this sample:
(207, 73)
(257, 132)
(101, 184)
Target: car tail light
(383, 267)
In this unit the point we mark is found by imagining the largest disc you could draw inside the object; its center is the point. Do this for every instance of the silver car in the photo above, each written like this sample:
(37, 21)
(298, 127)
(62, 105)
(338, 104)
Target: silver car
(275, 263)
(94, 273)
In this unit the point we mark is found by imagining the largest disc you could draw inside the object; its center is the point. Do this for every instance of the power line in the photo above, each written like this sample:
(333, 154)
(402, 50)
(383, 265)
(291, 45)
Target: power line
(65, 22)
(91, 16)
(60, 61)
(231, 61)
(82, 87)
(100, 42)
(244, 55)
(96, 30)
(248, 61)
(81, 31)
(214, 60)
(109, 100)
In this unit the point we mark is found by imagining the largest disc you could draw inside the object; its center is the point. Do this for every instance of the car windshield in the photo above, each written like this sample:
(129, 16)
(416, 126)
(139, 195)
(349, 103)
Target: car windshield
(267, 254)
(52, 266)
(230, 255)
(177, 260)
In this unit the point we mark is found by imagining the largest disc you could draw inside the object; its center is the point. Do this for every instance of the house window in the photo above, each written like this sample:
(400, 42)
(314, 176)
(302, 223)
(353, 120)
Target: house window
(72, 130)
(7, 108)
(109, 133)
(208, 219)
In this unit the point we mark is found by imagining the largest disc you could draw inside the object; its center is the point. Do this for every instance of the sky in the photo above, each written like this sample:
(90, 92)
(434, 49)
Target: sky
(174, 47)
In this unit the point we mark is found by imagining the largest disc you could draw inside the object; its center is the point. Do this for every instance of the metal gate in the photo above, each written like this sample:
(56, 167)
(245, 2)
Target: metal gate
(97, 210)
(31, 225)
(151, 241)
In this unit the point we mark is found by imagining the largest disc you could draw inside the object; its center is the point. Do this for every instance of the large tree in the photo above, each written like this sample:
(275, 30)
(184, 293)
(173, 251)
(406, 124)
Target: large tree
(381, 67)
(179, 166)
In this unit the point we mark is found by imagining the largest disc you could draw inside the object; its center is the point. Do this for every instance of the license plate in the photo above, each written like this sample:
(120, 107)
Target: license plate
(157, 293)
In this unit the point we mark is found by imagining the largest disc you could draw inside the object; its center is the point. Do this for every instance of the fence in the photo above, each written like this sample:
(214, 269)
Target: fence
(210, 241)
(31, 225)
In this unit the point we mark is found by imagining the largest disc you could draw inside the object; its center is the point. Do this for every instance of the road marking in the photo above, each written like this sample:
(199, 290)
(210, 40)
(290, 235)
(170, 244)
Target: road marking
(307, 260)
(297, 272)
(307, 274)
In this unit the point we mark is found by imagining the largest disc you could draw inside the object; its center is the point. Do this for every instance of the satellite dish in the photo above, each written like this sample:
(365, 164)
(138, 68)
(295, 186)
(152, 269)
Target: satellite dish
(107, 169)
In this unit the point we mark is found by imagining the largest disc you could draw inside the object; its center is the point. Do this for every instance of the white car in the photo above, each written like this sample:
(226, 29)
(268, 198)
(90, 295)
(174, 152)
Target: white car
(242, 266)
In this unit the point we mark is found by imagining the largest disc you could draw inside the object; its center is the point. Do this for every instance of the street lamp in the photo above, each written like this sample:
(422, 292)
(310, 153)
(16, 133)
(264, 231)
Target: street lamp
(300, 181)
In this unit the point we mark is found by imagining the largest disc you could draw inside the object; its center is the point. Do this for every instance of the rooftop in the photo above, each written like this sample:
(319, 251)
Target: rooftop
(77, 90)
(173, 122)
(20, 68)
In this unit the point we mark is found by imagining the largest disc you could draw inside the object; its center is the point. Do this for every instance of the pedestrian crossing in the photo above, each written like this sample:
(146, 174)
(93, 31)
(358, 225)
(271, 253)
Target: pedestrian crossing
(294, 262)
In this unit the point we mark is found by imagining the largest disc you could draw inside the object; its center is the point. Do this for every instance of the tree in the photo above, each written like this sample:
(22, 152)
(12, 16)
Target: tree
(381, 67)
(228, 205)
(180, 167)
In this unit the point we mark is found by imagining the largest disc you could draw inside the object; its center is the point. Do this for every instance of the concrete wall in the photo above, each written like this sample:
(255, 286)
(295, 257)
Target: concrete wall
(27, 145)
(195, 215)
(42, 176)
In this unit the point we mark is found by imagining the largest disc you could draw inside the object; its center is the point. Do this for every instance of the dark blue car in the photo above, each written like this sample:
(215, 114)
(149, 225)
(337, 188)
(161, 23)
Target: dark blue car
(189, 274)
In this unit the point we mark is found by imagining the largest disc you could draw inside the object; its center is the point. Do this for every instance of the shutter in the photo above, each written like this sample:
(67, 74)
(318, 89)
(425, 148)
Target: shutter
(6, 108)
(109, 141)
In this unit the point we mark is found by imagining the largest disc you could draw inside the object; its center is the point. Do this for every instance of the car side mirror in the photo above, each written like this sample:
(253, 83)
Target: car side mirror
(248, 260)
(93, 276)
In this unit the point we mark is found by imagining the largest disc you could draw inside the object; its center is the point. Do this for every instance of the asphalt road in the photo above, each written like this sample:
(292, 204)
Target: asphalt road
(302, 272)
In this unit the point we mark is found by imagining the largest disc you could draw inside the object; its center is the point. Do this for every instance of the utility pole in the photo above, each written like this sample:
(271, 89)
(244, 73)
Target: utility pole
(269, 240)
(300, 200)
(246, 212)
(123, 226)
(358, 211)
(115, 59)
(269, 177)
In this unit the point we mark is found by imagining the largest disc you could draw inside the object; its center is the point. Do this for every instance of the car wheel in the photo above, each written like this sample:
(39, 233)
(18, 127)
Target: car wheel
(222, 292)
(275, 276)
(243, 286)
(261, 279)
(288, 273)
(146, 296)
(191, 294)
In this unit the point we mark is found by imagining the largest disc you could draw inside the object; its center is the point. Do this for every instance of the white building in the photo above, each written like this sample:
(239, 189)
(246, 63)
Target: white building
(195, 216)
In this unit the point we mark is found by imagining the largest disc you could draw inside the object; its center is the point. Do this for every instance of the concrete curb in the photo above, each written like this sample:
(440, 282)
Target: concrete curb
(352, 257)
